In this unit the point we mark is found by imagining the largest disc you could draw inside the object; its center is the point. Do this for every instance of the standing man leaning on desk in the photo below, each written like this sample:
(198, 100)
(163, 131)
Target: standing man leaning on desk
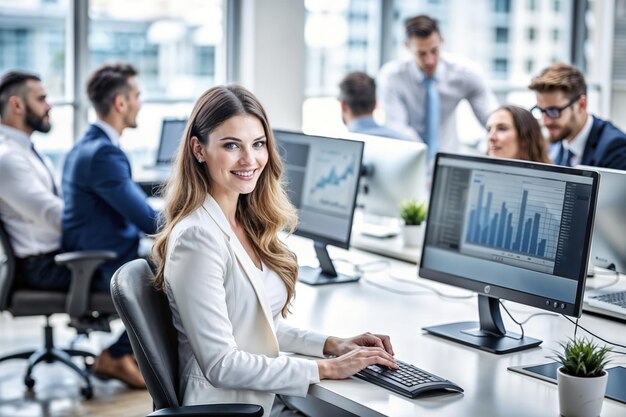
(104, 208)
(422, 93)
(576, 136)
(31, 208)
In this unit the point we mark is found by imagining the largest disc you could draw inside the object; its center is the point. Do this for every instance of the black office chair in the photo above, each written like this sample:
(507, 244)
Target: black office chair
(87, 311)
(147, 317)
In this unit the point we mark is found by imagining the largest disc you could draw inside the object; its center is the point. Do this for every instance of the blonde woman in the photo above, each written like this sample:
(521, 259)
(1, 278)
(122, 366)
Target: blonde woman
(228, 278)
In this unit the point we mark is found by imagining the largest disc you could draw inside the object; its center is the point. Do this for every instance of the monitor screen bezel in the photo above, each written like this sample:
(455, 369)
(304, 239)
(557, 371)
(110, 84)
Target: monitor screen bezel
(166, 120)
(611, 175)
(491, 290)
(309, 235)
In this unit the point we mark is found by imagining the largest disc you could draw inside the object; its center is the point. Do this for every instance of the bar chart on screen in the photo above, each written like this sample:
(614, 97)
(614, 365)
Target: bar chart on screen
(513, 219)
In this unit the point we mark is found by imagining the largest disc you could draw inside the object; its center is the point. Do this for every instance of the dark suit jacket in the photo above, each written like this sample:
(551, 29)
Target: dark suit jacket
(104, 208)
(605, 147)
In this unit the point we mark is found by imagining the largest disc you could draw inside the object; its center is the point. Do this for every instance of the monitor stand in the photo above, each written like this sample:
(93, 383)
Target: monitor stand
(489, 334)
(326, 273)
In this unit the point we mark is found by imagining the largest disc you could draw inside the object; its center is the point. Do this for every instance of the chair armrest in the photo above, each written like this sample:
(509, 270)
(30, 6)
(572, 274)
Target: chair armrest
(83, 265)
(212, 410)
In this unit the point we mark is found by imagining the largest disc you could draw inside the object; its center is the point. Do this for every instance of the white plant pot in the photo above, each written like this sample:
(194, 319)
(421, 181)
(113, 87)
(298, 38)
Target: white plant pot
(581, 397)
(413, 235)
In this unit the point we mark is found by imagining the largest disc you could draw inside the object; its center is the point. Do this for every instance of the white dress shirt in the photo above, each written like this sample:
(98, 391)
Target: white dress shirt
(29, 209)
(576, 146)
(275, 290)
(109, 131)
(229, 337)
(401, 94)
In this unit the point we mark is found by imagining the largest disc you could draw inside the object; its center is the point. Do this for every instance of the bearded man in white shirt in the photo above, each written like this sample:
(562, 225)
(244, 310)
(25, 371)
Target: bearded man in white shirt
(31, 208)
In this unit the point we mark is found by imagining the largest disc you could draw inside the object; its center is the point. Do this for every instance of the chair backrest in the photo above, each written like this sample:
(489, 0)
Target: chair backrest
(147, 317)
(7, 268)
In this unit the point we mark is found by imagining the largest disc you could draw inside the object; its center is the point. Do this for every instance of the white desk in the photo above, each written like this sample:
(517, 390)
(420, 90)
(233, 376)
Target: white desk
(490, 389)
(392, 247)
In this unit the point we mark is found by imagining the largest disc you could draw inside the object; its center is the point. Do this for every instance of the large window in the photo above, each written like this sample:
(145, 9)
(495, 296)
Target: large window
(496, 35)
(341, 36)
(32, 37)
(177, 46)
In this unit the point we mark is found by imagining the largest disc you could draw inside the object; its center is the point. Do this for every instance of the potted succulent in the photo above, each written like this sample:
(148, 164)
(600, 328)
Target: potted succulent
(582, 378)
(413, 214)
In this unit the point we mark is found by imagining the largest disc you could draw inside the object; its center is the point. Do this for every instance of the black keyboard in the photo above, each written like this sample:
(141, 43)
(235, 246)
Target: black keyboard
(409, 380)
(615, 298)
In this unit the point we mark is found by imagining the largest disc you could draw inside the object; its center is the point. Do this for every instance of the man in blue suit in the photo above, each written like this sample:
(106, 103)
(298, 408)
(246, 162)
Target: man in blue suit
(104, 208)
(577, 137)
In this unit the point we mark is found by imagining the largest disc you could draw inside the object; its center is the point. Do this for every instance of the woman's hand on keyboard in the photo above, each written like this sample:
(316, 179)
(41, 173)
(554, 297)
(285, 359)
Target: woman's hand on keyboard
(338, 346)
(352, 362)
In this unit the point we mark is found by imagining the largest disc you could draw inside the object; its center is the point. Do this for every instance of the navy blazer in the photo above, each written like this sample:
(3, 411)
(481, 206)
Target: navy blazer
(104, 208)
(605, 147)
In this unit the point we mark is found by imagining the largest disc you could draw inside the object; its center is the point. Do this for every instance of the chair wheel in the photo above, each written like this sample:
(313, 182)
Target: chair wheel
(29, 382)
(87, 392)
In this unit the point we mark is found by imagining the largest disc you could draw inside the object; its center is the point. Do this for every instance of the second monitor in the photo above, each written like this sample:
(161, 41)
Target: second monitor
(322, 176)
(508, 229)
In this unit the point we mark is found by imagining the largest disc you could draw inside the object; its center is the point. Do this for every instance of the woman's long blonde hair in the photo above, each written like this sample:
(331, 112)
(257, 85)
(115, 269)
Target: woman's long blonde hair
(263, 213)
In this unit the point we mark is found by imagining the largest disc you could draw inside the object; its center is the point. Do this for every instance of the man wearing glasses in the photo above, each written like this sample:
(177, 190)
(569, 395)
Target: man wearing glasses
(577, 137)
(422, 92)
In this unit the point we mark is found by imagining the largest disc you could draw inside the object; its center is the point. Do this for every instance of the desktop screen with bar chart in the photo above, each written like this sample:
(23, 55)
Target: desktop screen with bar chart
(514, 225)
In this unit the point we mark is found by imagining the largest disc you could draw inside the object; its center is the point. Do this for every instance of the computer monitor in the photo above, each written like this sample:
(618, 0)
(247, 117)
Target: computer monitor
(322, 176)
(608, 246)
(508, 229)
(393, 170)
(171, 132)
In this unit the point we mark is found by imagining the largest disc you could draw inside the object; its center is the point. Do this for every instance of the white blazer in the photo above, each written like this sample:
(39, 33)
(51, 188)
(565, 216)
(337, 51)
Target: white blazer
(228, 339)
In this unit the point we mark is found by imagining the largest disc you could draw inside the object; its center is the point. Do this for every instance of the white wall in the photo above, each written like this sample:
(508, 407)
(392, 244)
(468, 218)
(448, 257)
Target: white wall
(272, 58)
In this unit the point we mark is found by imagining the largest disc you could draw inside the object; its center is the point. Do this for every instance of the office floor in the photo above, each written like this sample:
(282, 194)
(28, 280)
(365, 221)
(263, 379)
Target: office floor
(57, 389)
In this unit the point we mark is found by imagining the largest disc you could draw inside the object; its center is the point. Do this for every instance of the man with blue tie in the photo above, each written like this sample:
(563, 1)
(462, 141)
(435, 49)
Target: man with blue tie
(577, 137)
(104, 208)
(422, 92)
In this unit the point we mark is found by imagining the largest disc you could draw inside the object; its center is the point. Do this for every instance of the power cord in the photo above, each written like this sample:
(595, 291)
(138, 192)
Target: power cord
(380, 265)
(521, 326)
(391, 289)
(575, 323)
(610, 284)
(428, 287)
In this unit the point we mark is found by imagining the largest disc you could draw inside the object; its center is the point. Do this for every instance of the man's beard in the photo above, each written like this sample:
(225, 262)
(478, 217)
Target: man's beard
(36, 122)
(563, 133)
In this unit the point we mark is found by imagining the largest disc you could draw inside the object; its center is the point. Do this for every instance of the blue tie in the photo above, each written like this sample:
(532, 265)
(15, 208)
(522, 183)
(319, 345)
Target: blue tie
(54, 187)
(565, 157)
(431, 136)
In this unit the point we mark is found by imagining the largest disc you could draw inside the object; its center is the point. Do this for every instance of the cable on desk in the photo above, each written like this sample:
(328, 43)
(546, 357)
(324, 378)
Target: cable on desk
(436, 291)
(610, 284)
(575, 323)
(367, 266)
(391, 289)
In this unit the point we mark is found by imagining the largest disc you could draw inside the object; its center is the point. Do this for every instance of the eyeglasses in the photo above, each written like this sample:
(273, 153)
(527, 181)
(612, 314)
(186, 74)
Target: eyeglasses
(552, 112)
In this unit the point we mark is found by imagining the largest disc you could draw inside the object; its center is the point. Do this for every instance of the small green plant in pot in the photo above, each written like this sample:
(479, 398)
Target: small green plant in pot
(413, 214)
(582, 378)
